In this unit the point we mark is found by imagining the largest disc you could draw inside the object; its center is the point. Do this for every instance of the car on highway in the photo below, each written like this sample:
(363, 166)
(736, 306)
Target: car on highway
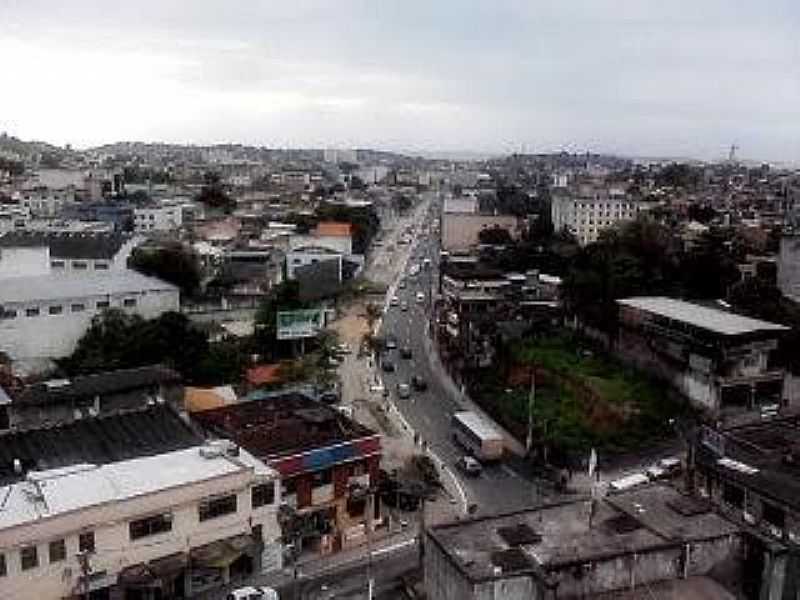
(394, 301)
(469, 465)
(401, 284)
(403, 390)
(419, 383)
(387, 366)
(420, 297)
(391, 342)
(404, 306)
(253, 593)
(405, 352)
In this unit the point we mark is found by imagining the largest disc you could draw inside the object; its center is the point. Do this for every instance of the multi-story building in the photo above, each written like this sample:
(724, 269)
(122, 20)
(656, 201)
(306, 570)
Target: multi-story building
(328, 463)
(158, 218)
(586, 214)
(46, 315)
(722, 362)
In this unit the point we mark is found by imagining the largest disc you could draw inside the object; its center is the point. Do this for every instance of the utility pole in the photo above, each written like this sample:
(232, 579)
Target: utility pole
(368, 524)
(531, 402)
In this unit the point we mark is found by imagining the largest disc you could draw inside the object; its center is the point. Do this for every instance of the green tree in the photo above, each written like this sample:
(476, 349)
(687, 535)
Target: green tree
(213, 194)
(174, 263)
(285, 296)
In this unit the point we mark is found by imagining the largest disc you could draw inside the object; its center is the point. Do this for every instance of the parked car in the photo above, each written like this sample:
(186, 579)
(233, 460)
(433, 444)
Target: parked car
(253, 593)
(404, 306)
(391, 342)
(405, 352)
(420, 297)
(469, 465)
(387, 366)
(394, 301)
(419, 383)
(403, 390)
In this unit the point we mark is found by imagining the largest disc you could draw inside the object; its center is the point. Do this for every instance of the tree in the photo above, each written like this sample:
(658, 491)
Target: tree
(285, 296)
(174, 263)
(495, 236)
(213, 194)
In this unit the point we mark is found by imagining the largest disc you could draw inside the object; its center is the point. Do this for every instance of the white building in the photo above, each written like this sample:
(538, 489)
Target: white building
(174, 521)
(46, 315)
(164, 217)
(586, 215)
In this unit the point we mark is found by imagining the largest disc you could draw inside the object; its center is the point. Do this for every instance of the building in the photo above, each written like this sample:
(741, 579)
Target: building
(461, 231)
(46, 315)
(328, 463)
(168, 525)
(65, 400)
(158, 218)
(586, 214)
(332, 235)
(581, 549)
(25, 253)
(722, 362)
(302, 256)
(789, 266)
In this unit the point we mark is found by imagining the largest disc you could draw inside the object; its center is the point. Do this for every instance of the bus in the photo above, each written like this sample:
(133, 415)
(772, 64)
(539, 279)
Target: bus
(477, 437)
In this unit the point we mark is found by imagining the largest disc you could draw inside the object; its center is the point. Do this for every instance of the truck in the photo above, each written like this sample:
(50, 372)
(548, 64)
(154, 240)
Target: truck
(478, 437)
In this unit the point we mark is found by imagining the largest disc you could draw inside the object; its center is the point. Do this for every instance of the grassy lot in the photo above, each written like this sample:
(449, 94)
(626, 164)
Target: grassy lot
(584, 398)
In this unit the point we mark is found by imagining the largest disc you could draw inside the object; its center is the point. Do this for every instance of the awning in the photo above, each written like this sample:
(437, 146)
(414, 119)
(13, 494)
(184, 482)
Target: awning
(222, 553)
(169, 566)
(138, 575)
(153, 573)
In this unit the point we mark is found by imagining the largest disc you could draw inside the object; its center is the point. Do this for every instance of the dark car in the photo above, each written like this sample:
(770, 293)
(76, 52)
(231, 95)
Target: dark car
(419, 383)
(405, 352)
(387, 366)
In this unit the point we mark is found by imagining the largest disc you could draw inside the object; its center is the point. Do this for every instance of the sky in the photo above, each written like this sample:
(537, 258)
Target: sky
(634, 77)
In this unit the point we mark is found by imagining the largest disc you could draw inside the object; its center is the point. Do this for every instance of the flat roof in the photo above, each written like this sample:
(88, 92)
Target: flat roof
(559, 535)
(67, 285)
(704, 317)
(480, 426)
(46, 494)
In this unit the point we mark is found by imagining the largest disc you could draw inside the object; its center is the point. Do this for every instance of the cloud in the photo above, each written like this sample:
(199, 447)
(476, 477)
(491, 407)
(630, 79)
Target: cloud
(634, 76)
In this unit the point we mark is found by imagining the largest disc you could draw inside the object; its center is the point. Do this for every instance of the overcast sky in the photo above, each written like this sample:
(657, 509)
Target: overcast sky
(638, 77)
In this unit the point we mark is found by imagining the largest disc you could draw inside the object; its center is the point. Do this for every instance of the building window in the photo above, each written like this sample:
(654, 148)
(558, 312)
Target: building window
(217, 507)
(733, 495)
(101, 266)
(32, 312)
(262, 494)
(78, 307)
(86, 541)
(58, 551)
(102, 304)
(55, 310)
(57, 264)
(129, 302)
(150, 526)
(79, 265)
(29, 557)
(3, 567)
(773, 515)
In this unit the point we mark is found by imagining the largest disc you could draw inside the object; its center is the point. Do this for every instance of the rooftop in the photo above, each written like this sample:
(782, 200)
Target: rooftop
(334, 229)
(81, 486)
(281, 424)
(64, 286)
(120, 436)
(68, 244)
(703, 317)
(559, 535)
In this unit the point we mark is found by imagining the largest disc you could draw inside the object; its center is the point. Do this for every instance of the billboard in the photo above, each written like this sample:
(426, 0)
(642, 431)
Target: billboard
(297, 324)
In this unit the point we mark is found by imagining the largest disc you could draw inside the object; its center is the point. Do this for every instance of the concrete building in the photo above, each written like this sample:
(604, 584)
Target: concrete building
(719, 360)
(167, 525)
(302, 256)
(581, 549)
(585, 215)
(328, 463)
(327, 234)
(460, 231)
(789, 266)
(158, 218)
(46, 315)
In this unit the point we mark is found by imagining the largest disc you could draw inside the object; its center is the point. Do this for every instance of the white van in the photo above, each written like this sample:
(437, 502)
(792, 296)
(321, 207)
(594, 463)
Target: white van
(420, 297)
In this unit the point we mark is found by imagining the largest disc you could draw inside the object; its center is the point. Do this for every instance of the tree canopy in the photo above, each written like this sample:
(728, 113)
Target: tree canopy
(213, 194)
(173, 262)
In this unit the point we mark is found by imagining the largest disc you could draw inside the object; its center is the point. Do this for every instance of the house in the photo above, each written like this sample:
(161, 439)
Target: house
(587, 213)
(582, 549)
(302, 256)
(65, 400)
(722, 362)
(162, 524)
(38, 253)
(328, 463)
(333, 235)
(46, 315)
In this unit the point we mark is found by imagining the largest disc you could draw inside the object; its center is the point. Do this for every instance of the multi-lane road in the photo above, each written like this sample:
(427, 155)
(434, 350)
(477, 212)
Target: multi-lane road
(500, 487)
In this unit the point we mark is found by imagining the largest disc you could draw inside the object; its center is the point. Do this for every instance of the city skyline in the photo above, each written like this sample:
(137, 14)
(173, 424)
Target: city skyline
(635, 79)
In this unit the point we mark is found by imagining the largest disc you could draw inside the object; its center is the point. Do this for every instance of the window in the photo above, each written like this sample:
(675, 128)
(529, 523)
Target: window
(263, 494)
(78, 307)
(289, 486)
(57, 264)
(86, 541)
(129, 302)
(733, 495)
(101, 266)
(29, 557)
(79, 265)
(3, 568)
(150, 526)
(32, 312)
(55, 310)
(217, 507)
(58, 551)
(102, 304)
(773, 515)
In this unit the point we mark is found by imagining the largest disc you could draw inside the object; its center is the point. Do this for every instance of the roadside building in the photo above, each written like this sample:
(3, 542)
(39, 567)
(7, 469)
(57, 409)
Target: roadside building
(587, 213)
(721, 361)
(46, 315)
(328, 463)
(461, 231)
(158, 218)
(581, 549)
(789, 265)
(333, 235)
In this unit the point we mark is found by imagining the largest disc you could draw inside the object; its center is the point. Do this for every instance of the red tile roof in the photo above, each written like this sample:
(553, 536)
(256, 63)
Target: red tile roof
(264, 374)
(334, 228)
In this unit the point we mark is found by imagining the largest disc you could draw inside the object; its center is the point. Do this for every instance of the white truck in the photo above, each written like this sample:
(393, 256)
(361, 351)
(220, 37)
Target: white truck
(478, 437)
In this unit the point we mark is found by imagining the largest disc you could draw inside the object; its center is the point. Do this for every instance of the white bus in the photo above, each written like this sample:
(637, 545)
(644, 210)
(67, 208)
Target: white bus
(477, 436)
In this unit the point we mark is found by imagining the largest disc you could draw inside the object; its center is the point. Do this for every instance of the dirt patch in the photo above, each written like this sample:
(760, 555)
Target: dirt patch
(352, 325)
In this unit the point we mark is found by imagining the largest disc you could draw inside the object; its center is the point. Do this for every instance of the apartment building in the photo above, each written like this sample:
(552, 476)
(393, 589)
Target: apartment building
(587, 213)
(158, 218)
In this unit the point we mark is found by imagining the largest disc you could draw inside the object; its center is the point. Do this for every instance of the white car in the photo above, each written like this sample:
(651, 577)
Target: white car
(420, 297)
(253, 593)
(394, 301)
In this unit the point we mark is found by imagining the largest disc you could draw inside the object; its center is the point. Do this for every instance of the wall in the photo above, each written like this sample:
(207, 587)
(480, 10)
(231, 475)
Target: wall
(460, 231)
(56, 336)
(789, 266)
(24, 262)
(114, 549)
